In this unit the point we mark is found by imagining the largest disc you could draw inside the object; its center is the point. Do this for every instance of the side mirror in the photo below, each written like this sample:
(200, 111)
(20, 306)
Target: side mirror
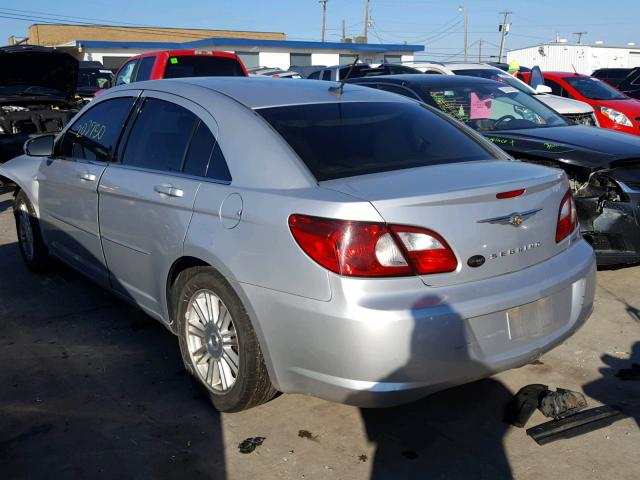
(41, 146)
(543, 88)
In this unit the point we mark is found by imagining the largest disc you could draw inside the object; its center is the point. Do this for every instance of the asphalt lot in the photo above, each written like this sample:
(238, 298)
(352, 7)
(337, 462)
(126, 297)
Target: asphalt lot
(92, 388)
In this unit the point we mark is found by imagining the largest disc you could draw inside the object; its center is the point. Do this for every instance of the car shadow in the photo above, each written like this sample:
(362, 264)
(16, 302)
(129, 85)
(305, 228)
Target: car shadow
(453, 434)
(92, 387)
(611, 390)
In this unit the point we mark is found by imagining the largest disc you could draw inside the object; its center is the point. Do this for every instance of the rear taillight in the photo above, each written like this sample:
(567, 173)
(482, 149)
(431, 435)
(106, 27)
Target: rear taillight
(427, 251)
(364, 249)
(567, 218)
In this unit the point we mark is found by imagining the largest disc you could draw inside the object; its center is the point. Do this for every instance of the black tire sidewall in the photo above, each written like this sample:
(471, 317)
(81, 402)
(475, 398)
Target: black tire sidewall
(241, 394)
(41, 258)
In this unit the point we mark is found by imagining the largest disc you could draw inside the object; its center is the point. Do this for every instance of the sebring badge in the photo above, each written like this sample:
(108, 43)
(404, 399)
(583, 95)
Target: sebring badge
(516, 218)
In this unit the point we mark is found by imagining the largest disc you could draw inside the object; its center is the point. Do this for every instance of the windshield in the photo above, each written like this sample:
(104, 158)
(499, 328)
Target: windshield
(94, 78)
(337, 140)
(498, 76)
(594, 89)
(203, 66)
(490, 106)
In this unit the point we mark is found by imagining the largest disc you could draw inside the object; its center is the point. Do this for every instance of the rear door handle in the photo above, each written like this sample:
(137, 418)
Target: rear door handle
(89, 177)
(169, 190)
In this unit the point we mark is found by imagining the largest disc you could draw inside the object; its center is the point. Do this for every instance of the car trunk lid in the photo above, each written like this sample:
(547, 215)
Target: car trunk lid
(459, 202)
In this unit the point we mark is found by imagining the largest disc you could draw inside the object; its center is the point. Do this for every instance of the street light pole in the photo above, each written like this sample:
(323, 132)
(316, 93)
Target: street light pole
(366, 21)
(463, 9)
(503, 29)
(324, 17)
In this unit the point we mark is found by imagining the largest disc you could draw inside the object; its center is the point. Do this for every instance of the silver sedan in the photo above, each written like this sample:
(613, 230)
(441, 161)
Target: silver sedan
(307, 238)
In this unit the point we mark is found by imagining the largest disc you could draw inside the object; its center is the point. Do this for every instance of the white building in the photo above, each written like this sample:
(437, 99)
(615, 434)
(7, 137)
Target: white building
(270, 53)
(584, 58)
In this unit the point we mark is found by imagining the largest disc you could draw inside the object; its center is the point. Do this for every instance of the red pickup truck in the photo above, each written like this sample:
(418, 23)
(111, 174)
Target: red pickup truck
(180, 63)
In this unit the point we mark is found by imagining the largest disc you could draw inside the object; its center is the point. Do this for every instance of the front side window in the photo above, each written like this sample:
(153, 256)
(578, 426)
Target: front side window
(144, 70)
(556, 88)
(344, 139)
(326, 75)
(160, 136)
(94, 135)
(126, 73)
(202, 66)
(489, 107)
(594, 89)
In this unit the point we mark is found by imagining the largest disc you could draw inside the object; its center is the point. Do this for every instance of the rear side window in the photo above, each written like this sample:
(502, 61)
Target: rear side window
(337, 140)
(202, 66)
(326, 75)
(93, 136)
(144, 69)
(160, 136)
(314, 76)
(200, 149)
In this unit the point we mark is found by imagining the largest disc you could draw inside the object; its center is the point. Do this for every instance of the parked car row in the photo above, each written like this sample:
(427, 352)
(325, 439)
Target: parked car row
(368, 241)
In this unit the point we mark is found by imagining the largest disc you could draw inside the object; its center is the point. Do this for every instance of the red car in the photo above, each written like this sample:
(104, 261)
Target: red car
(180, 63)
(613, 108)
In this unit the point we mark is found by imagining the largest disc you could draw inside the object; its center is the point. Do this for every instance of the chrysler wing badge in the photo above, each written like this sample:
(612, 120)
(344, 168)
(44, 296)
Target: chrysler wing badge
(516, 218)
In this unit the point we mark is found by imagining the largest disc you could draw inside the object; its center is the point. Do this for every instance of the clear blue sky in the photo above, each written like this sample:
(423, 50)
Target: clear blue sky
(436, 23)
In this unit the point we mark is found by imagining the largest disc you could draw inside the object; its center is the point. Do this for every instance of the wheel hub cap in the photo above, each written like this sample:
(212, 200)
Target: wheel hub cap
(212, 341)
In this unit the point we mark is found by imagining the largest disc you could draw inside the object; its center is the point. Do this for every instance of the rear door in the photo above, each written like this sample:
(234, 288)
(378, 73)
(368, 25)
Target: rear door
(146, 200)
(69, 183)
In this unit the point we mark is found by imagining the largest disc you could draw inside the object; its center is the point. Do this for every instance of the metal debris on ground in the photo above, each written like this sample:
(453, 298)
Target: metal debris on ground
(632, 373)
(574, 425)
(250, 444)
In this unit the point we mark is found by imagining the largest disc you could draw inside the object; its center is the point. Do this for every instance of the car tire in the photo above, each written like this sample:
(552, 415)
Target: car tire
(32, 247)
(212, 350)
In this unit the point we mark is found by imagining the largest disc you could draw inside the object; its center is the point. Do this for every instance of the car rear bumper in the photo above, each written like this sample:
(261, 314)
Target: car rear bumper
(385, 342)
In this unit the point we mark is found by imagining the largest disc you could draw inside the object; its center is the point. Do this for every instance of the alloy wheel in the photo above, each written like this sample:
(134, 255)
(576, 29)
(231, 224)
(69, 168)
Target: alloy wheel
(212, 341)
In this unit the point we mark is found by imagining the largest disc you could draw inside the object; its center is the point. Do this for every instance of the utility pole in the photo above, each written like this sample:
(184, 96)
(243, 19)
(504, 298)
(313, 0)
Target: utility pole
(580, 35)
(504, 29)
(324, 17)
(344, 31)
(480, 51)
(366, 21)
(463, 9)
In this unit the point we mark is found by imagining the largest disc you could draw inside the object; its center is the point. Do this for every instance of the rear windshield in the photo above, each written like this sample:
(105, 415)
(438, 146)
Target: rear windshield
(337, 140)
(203, 66)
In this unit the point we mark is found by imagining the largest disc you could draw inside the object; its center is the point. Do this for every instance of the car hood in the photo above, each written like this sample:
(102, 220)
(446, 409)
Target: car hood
(564, 105)
(28, 65)
(589, 147)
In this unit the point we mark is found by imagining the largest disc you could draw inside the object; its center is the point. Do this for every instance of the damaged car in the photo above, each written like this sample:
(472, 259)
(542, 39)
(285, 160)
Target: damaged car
(37, 90)
(603, 166)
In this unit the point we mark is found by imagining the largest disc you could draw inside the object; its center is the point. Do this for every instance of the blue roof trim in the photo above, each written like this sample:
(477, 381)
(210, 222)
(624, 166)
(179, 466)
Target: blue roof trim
(248, 42)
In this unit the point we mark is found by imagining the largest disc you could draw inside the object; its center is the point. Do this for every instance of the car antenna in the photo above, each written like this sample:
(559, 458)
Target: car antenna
(340, 88)
(574, 69)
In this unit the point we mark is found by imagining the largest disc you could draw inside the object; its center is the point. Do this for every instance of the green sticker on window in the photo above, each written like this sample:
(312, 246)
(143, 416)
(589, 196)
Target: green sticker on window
(173, 60)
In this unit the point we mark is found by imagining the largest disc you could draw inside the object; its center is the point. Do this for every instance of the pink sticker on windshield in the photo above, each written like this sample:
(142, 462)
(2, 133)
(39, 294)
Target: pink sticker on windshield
(480, 106)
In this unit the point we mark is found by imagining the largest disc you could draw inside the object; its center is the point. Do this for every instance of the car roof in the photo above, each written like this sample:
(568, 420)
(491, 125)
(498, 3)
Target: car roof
(563, 74)
(426, 80)
(469, 66)
(261, 92)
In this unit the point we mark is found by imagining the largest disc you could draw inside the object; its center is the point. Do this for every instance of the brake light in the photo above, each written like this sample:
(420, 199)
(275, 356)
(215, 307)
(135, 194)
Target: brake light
(510, 194)
(371, 249)
(567, 217)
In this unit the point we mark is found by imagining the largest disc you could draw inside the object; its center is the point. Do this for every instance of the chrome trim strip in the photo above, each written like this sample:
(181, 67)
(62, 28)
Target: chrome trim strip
(506, 219)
